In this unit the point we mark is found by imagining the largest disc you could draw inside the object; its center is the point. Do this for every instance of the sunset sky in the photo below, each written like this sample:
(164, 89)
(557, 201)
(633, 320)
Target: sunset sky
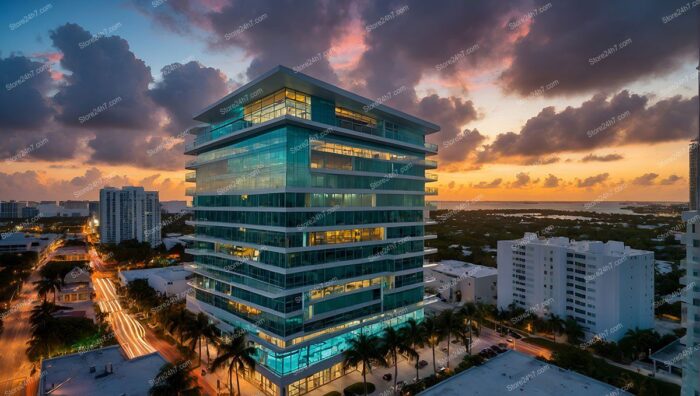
(537, 100)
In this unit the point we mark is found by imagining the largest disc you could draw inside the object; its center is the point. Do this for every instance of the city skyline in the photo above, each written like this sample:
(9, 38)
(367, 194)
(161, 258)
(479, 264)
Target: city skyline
(533, 106)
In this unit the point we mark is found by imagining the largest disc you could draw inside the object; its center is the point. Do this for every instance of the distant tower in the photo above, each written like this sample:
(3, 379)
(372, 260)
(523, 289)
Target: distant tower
(694, 156)
(690, 307)
(129, 213)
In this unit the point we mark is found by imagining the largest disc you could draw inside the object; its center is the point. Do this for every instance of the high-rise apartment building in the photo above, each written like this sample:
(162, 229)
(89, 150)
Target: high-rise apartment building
(694, 175)
(607, 287)
(690, 305)
(309, 222)
(129, 213)
(11, 209)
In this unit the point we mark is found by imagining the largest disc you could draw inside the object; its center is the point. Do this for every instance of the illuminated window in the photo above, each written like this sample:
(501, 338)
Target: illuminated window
(285, 101)
(346, 236)
(356, 117)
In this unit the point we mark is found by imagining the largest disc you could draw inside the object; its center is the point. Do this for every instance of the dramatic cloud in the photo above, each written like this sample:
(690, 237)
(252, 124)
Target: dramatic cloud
(671, 180)
(552, 181)
(135, 148)
(37, 185)
(27, 128)
(105, 102)
(598, 44)
(186, 89)
(451, 113)
(536, 161)
(459, 35)
(25, 83)
(593, 180)
(493, 184)
(107, 85)
(272, 32)
(522, 179)
(602, 121)
(602, 158)
(646, 179)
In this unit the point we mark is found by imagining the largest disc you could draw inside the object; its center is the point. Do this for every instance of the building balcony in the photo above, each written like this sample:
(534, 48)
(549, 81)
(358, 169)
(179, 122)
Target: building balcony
(431, 146)
(429, 250)
(430, 164)
(431, 176)
(431, 191)
(429, 222)
(190, 164)
(191, 177)
(431, 206)
(209, 134)
(190, 191)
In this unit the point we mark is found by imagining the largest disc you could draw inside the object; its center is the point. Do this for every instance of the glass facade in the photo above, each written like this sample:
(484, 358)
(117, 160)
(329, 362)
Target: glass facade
(305, 238)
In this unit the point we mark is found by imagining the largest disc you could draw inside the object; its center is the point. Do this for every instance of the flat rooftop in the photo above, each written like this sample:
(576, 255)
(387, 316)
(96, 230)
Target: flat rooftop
(461, 269)
(71, 250)
(609, 248)
(280, 77)
(14, 238)
(71, 374)
(673, 354)
(174, 273)
(516, 372)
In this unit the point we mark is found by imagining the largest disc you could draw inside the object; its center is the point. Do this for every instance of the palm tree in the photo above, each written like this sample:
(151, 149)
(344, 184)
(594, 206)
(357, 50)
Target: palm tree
(363, 350)
(44, 336)
(573, 330)
(44, 286)
(433, 334)
(393, 344)
(199, 329)
(556, 324)
(469, 310)
(234, 352)
(452, 325)
(179, 321)
(174, 379)
(482, 311)
(415, 336)
(635, 342)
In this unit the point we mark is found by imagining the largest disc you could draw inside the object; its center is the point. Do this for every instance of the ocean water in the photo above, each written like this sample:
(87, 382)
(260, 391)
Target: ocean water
(598, 207)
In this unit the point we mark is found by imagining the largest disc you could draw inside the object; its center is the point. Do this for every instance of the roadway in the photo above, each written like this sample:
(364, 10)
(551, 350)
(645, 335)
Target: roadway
(16, 376)
(129, 333)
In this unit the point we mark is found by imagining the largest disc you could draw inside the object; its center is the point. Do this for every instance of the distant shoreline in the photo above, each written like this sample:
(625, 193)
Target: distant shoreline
(612, 207)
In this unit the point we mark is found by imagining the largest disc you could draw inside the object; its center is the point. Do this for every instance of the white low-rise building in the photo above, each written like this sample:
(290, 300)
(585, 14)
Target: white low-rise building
(514, 373)
(105, 371)
(460, 282)
(20, 242)
(607, 287)
(166, 280)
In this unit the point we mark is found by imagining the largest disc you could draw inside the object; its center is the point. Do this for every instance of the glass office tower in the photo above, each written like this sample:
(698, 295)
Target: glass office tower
(309, 214)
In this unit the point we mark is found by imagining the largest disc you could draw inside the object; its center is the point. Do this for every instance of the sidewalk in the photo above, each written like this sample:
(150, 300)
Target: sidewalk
(407, 370)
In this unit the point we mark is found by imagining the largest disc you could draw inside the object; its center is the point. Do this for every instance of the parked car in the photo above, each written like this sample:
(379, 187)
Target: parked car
(387, 377)
(399, 385)
(516, 335)
(444, 349)
(503, 345)
(441, 369)
(510, 340)
(496, 349)
(421, 364)
(455, 341)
